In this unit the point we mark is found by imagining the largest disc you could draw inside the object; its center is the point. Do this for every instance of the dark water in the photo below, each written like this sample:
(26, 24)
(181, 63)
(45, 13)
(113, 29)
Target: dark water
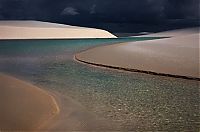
(135, 101)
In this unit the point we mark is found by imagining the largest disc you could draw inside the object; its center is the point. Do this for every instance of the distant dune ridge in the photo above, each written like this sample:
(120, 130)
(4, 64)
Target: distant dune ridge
(177, 56)
(46, 30)
(173, 33)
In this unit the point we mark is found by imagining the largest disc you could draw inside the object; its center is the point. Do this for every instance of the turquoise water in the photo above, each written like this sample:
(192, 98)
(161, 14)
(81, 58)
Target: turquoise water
(135, 101)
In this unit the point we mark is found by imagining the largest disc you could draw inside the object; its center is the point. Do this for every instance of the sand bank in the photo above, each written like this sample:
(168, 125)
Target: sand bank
(74, 117)
(46, 30)
(24, 107)
(177, 56)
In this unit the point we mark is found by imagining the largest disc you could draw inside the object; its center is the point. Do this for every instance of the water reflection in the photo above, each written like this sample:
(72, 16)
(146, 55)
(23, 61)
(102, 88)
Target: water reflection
(135, 101)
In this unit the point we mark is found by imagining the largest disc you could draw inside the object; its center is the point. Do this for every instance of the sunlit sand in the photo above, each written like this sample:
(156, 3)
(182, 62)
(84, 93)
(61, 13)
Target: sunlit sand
(45, 30)
(177, 55)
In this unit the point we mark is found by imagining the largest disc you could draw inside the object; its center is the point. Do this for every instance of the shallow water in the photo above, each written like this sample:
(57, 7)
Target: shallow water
(135, 101)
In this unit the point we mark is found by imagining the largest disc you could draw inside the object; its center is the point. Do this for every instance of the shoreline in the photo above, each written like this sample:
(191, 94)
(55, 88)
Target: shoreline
(66, 115)
(75, 117)
(131, 70)
(177, 56)
(25, 106)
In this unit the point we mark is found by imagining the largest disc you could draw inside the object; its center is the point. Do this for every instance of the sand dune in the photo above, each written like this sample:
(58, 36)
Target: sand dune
(173, 33)
(46, 30)
(177, 56)
(24, 107)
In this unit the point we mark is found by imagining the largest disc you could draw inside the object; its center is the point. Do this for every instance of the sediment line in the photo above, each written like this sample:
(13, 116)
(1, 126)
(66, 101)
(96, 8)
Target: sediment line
(136, 70)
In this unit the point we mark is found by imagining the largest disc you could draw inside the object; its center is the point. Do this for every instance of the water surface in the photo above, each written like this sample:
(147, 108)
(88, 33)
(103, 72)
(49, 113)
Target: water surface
(135, 101)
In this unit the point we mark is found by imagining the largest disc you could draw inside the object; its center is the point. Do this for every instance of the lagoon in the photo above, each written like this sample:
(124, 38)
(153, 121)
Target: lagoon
(135, 101)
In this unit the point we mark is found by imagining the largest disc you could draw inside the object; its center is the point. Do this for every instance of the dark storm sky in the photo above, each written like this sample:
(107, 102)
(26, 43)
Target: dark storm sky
(113, 15)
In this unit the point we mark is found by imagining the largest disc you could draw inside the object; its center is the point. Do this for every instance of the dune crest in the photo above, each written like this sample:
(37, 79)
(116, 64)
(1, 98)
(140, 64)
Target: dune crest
(46, 30)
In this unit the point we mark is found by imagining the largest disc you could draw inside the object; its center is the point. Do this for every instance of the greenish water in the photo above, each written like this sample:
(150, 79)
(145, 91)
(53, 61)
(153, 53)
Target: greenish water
(135, 101)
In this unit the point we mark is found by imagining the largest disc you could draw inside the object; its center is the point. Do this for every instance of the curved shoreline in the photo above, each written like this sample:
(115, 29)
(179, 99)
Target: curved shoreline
(25, 107)
(132, 70)
(176, 56)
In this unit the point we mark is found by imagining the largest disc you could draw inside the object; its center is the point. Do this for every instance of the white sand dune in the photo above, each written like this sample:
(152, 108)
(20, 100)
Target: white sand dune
(173, 33)
(46, 30)
(178, 56)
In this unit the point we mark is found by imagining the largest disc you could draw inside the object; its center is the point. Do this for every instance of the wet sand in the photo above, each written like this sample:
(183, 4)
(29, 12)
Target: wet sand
(177, 56)
(74, 117)
(24, 107)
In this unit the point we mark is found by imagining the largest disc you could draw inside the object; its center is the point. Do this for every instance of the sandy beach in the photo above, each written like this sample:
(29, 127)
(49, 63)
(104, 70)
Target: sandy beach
(176, 56)
(28, 108)
(46, 30)
(24, 107)
(99, 65)
(76, 100)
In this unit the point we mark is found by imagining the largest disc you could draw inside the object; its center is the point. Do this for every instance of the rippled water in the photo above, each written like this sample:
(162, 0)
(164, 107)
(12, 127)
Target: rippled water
(135, 101)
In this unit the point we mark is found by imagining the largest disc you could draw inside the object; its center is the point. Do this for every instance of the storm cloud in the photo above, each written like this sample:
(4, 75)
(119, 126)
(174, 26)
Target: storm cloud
(70, 11)
(98, 12)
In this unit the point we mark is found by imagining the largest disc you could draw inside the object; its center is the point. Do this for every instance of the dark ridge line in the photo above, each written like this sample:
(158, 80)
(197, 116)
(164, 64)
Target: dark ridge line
(136, 70)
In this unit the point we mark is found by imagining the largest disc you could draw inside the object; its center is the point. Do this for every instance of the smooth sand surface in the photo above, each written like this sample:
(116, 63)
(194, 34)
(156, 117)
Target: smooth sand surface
(173, 33)
(178, 56)
(24, 107)
(46, 30)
